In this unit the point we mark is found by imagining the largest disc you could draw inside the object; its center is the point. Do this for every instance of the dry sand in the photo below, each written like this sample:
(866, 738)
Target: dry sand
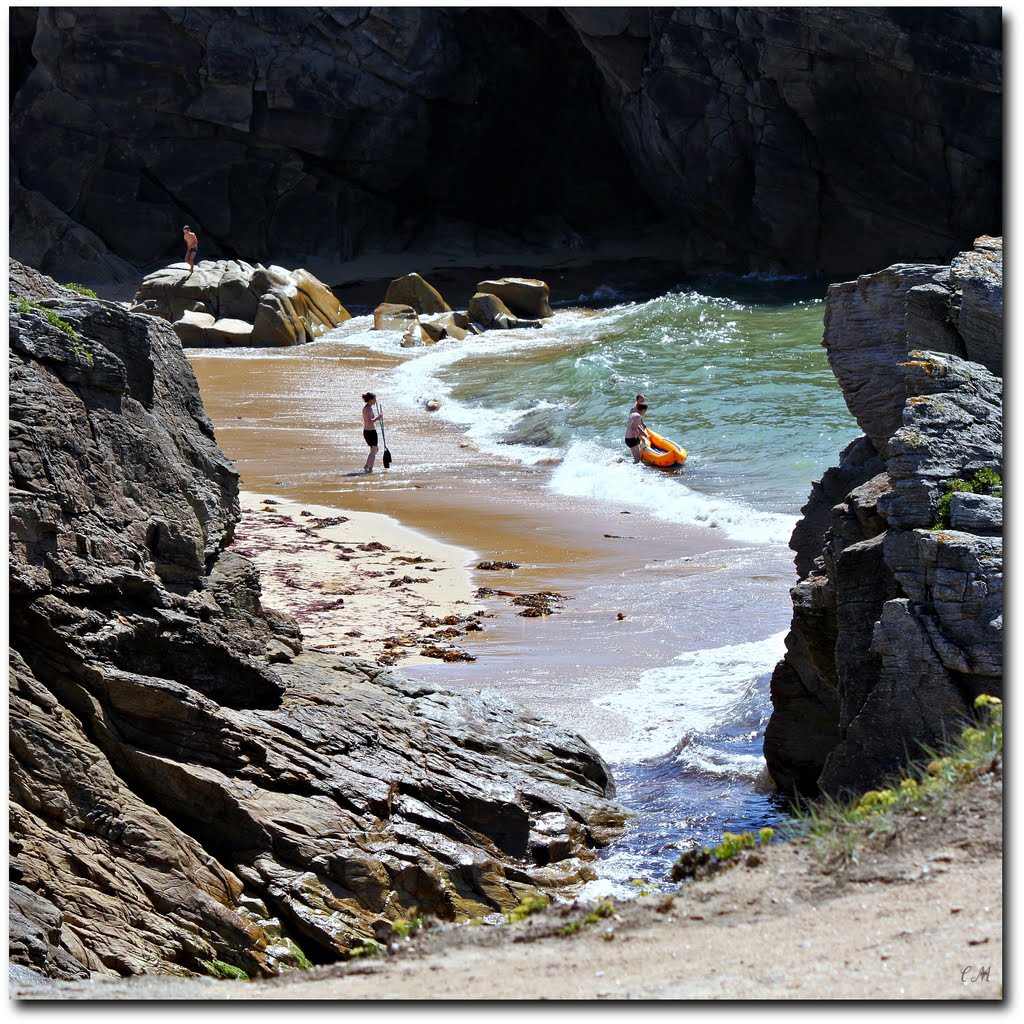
(358, 583)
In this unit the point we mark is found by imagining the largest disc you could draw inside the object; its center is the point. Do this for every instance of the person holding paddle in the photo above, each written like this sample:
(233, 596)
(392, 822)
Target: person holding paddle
(369, 433)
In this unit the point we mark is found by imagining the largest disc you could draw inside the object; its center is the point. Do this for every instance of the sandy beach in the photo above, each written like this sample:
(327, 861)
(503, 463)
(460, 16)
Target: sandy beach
(358, 583)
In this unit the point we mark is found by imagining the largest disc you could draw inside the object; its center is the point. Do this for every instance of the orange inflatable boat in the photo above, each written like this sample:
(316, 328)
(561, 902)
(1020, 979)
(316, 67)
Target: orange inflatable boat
(662, 451)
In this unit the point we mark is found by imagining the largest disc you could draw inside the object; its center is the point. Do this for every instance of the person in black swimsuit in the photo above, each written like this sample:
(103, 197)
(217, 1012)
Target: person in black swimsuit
(636, 429)
(369, 433)
(191, 248)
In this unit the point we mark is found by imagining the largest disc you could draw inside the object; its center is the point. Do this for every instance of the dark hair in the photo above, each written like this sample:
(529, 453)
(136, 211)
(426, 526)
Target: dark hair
(638, 397)
(642, 405)
(369, 397)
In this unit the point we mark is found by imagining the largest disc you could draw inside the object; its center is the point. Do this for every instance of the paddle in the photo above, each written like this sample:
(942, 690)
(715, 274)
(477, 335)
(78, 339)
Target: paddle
(387, 455)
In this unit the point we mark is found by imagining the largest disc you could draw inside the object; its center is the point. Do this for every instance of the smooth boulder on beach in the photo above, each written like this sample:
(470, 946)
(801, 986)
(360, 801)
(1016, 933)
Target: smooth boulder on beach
(249, 305)
(526, 297)
(489, 311)
(412, 290)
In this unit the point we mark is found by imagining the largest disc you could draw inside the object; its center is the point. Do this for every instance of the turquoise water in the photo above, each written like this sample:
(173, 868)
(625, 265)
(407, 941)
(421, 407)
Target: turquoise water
(737, 375)
(737, 385)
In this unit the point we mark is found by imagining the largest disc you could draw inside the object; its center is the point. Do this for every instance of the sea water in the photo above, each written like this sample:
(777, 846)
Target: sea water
(733, 370)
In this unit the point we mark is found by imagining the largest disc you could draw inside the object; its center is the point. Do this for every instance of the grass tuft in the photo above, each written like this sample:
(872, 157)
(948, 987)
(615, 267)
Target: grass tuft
(838, 829)
(606, 908)
(81, 289)
(529, 906)
(985, 481)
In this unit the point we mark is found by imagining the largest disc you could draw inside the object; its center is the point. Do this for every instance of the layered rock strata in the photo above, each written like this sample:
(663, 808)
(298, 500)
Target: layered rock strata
(190, 792)
(770, 139)
(897, 624)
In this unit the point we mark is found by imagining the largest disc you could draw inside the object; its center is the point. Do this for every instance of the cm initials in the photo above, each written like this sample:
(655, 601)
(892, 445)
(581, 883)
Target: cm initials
(982, 975)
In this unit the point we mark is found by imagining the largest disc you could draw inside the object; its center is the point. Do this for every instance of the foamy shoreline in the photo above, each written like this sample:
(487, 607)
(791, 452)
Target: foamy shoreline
(355, 580)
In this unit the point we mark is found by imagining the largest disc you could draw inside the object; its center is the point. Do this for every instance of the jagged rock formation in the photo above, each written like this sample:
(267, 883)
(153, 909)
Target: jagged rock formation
(897, 627)
(229, 302)
(771, 139)
(188, 789)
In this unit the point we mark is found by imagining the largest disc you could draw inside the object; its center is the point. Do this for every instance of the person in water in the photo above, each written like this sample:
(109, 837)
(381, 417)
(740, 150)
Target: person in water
(191, 248)
(639, 399)
(636, 429)
(369, 432)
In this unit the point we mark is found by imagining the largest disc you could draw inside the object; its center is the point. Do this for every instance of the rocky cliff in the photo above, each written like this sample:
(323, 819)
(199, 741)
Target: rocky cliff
(897, 618)
(189, 791)
(801, 139)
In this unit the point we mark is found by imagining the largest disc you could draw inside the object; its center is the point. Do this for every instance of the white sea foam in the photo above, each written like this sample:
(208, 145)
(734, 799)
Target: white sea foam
(701, 693)
(588, 470)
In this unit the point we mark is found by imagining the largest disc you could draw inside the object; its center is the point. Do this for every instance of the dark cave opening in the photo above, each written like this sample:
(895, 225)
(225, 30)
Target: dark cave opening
(528, 148)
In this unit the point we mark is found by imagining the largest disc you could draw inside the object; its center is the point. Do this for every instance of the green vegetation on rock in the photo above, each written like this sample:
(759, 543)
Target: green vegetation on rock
(301, 960)
(606, 908)
(225, 971)
(705, 860)
(27, 306)
(529, 906)
(985, 481)
(405, 928)
(366, 950)
(72, 286)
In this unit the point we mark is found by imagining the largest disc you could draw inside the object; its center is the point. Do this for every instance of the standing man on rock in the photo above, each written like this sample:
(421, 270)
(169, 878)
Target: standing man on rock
(191, 248)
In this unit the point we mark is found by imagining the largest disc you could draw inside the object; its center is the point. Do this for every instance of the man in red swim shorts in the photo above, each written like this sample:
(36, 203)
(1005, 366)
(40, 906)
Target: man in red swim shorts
(191, 248)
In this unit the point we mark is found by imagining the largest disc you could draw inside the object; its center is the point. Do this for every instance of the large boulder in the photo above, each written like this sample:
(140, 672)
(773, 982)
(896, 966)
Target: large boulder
(279, 306)
(191, 328)
(228, 332)
(489, 311)
(393, 316)
(412, 290)
(524, 296)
